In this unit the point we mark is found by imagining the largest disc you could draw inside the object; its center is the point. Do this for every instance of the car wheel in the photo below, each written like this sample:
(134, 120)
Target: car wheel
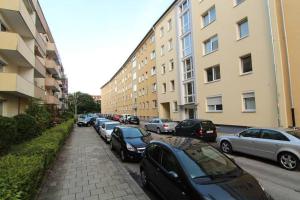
(288, 161)
(158, 131)
(226, 147)
(111, 146)
(144, 179)
(123, 156)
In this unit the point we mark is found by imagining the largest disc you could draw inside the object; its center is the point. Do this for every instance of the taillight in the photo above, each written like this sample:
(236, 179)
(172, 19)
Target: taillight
(199, 132)
(165, 125)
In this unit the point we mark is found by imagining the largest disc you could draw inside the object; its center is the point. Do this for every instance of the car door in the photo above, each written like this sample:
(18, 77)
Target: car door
(246, 141)
(180, 127)
(172, 188)
(149, 125)
(102, 129)
(269, 143)
(116, 138)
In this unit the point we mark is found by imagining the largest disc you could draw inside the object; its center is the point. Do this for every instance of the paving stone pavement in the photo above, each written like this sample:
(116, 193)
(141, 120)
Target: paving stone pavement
(86, 169)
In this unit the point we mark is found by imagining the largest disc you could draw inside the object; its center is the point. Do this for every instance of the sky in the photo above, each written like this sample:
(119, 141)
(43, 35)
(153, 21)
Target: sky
(95, 37)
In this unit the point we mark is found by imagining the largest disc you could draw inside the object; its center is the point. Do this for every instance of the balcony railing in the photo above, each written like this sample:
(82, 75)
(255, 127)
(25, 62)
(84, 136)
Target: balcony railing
(15, 84)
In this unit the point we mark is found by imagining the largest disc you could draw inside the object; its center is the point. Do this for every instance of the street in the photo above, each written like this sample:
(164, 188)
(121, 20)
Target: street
(281, 184)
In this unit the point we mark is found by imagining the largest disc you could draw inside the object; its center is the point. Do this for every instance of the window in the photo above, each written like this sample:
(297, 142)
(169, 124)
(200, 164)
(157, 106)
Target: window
(154, 103)
(185, 21)
(213, 73)
(184, 6)
(188, 69)
(163, 69)
(171, 65)
(169, 25)
(170, 45)
(162, 50)
(152, 55)
(161, 31)
(134, 88)
(154, 87)
(214, 104)
(246, 63)
(175, 106)
(154, 152)
(134, 76)
(243, 28)
(153, 71)
(134, 63)
(187, 45)
(152, 39)
(249, 102)
(211, 45)
(169, 162)
(209, 16)
(172, 85)
(189, 92)
(253, 133)
(2, 27)
(273, 135)
(237, 2)
(164, 88)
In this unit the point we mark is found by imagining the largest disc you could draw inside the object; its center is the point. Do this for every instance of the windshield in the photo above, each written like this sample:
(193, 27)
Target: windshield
(206, 162)
(111, 126)
(165, 120)
(207, 125)
(133, 133)
(295, 133)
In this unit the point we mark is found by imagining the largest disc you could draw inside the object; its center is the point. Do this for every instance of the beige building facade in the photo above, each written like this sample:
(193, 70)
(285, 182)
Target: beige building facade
(222, 61)
(29, 62)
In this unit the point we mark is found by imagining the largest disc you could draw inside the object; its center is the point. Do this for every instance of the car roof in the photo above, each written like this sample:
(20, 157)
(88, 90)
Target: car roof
(180, 143)
(110, 122)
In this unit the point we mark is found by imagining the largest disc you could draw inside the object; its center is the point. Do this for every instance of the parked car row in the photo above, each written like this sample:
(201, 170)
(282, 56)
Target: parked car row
(124, 118)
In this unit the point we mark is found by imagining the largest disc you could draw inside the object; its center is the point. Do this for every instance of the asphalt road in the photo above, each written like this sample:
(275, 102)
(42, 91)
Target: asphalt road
(281, 184)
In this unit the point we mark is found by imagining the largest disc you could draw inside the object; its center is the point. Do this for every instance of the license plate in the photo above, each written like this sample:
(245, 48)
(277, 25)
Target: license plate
(210, 131)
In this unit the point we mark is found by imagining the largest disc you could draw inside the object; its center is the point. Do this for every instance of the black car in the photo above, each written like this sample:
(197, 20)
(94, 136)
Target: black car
(197, 128)
(188, 169)
(133, 120)
(130, 142)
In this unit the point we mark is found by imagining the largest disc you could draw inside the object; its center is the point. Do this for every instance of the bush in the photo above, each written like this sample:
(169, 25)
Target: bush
(26, 127)
(23, 169)
(8, 132)
(41, 115)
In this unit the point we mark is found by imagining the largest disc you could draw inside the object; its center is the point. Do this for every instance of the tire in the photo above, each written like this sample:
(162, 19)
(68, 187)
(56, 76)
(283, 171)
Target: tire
(144, 179)
(123, 156)
(226, 147)
(288, 161)
(111, 146)
(158, 131)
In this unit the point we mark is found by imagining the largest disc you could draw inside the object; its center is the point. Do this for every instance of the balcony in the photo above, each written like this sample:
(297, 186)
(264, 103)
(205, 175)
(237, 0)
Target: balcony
(52, 67)
(52, 100)
(39, 93)
(39, 69)
(41, 23)
(52, 84)
(41, 43)
(16, 85)
(52, 50)
(18, 17)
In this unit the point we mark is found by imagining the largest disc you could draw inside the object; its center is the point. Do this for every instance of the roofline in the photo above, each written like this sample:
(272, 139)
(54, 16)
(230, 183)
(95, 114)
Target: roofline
(141, 42)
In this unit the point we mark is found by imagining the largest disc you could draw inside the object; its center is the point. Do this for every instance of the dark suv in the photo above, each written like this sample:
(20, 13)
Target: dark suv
(133, 120)
(188, 169)
(197, 128)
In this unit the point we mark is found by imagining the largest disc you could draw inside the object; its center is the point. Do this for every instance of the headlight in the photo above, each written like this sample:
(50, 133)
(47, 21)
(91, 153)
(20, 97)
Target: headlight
(130, 147)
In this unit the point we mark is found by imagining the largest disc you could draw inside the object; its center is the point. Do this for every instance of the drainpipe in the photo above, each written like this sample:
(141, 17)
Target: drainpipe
(275, 66)
(289, 65)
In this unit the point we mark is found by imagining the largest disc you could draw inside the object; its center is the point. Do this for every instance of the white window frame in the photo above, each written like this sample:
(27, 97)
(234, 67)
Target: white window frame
(171, 62)
(214, 73)
(163, 69)
(239, 25)
(170, 44)
(187, 72)
(242, 64)
(153, 71)
(188, 96)
(237, 2)
(172, 85)
(214, 98)
(248, 95)
(175, 106)
(152, 55)
(161, 32)
(210, 42)
(169, 25)
(187, 45)
(164, 88)
(208, 13)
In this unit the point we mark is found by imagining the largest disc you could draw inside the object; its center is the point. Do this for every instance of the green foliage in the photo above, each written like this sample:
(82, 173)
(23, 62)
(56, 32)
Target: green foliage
(8, 132)
(23, 169)
(85, 103)
(26, 128)
(40, 113)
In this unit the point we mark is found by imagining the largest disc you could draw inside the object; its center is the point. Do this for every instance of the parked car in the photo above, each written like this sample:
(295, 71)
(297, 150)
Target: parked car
(98, 123)
(130, 142)
(278, 145)
(197, 128)
(134, 120)
(83, 120)
(188, 169)
(124, 118)
(116, 117)
(106, 130)
(160, 125)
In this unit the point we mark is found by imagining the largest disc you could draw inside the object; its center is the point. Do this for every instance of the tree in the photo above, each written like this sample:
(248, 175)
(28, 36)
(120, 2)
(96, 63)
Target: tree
(40, 114)
(84, 103)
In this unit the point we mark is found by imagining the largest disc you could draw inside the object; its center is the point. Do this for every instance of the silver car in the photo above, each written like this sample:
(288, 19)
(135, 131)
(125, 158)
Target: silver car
(274, 144)
(107, 129)
(160, 125)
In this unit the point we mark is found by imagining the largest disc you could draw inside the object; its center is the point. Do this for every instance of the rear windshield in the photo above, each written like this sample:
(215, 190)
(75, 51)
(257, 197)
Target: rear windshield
(133, 133)
(207, 125)
(295, 133)
(111, 126)
(165, 120)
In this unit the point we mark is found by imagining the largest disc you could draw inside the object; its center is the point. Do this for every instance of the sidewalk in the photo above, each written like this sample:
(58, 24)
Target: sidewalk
(86, 169)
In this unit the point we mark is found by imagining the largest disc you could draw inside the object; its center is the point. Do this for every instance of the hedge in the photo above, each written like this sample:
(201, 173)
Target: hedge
(27, 128)
(8, 132)
(23, 168)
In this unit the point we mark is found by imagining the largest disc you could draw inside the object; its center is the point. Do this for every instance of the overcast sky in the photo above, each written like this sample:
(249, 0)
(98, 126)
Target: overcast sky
(95, 37)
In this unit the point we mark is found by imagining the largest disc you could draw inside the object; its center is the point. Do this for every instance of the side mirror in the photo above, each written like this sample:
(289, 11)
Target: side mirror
(173, 175)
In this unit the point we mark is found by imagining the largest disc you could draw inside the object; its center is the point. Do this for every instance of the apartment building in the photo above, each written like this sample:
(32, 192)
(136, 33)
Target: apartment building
(222, 61)
(30, 67)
